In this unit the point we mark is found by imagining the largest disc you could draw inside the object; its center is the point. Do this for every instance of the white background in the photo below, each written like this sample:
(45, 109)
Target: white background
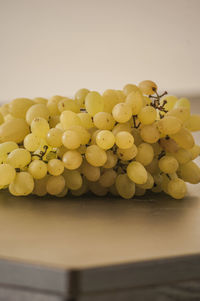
(52, 47)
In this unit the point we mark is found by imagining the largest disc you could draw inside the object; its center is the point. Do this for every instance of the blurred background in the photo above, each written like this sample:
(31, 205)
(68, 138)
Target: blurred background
(58, 46)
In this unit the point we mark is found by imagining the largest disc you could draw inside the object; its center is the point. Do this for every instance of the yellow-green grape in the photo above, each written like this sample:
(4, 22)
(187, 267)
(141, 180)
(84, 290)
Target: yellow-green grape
(53, 121)
(104, 121)
(128, 153)
(80, 96)
(83, 133)
(149, 133)
(19, 106)
(23, 184)
(148, 87)
(8, 117)
(72, 159)
(183, 138)
(183, 156)
(38, 169)
(6, 148)
(40, 186)
(120, 95)
(156, 188)
(95, 155)
(181, 113)
(82, 149)
(153, 167)
(52, 105)
(182, 102)
(165, 182)
(55, 184)
(108, 178)
(59, 126)
(137, 172)
(145, 154)
(54, 137)
(7, 174)
(5, 109)
(147, 115)
(68, 119)
(86, 120)
(190, 172)
(122, 112)
(121, 127)
(111, 159)
(124, 186)
(124, 140)
(139, 191)
(193, 123)
(39, 127)
(130, 88)
(73, 179)
(40, 100)
(63, 193)
(168, 164)
(149, 183)
(156, 148)
(94, 134)
(177, 188)
(14, 130)
(136, 135)
(169, 125)
(110, 101)
(92, 173)
(170, 102)
(97, 189)
(135, 100)
(19, 158)
(146, 101)
(35, 111)
(67, 104)
(1, 118)
(55, 167)
(113, 190)
(194, 151)
(94, 103)
(169, 145)
(32, 142)
(82, 190)
(105, 139)
(71, 139)
(61, 151)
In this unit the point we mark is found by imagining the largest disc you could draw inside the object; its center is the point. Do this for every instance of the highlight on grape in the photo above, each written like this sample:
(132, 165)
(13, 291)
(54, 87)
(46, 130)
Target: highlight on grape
(122, 142)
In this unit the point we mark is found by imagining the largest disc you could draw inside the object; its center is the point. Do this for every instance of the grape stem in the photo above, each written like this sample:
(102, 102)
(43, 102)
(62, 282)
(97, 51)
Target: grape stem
(134, 122)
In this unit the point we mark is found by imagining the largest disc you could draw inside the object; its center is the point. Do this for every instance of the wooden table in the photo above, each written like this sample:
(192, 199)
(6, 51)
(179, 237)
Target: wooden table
(94, 249)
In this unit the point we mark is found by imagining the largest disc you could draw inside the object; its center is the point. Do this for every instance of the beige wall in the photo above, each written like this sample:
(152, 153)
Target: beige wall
(57, 46)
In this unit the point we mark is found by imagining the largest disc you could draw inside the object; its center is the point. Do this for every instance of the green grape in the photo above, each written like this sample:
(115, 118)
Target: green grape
(97, 189)
(181, 113)
(128, 153)
(113, 190)
(1, 118)
(124, 140)
(183, 138)
(5, 109)
(19, 158)
(71, 139)
(168, 164)
(80, 97)
(130, 88)
(170, 102)
(164, 183)
(54, 137)
(67, 104)
(95, 155)
(193, 123)
(136, 135)
(82, 149)
(52, 105)
(125, 187)
(55, 167)
(121, 127)
(105, 139)
(139, 191)
(40, 186)
(39, 127)
(190, 172)
(94, 103)
(53, 121)
(153, 167)
(68, 119)
(72, 159)
(82, 190)
(177, 188)
(7, 174)
(86, 120)
(145, 154)
(94, 135)
(14, 130)
(111, 159)
(55, 185)
(32, 142)
(73, 179)
(92, 173)
(59, 126)
(23, 184)
(108, 178)
(35, 111)
(147, 115)
(19, 106)
(183, 156)
(122, 112)
(104, 121)
(194, 151)
(83, 133)
(149, 183)
(137, 172)
(61, 151)
(148, 87)
(110, 101)
(38, 169)
(182, 102)
(169, 145)
(135, 100)
(40, 100)
(63, 193)
(169, 125)
(149, 133)
(146, 101)
(5, 149)
(156, 148)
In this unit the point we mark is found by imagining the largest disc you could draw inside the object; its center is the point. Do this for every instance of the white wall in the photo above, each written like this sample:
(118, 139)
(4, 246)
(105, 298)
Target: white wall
(57, 46)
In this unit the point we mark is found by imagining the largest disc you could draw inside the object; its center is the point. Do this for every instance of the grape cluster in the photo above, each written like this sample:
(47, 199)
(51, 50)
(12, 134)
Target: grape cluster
(123, 142)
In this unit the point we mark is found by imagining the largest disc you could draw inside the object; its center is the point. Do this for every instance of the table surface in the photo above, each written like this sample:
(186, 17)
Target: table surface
(90, 231)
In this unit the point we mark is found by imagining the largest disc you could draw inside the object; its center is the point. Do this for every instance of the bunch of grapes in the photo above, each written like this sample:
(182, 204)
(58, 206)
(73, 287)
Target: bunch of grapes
(123, 142)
